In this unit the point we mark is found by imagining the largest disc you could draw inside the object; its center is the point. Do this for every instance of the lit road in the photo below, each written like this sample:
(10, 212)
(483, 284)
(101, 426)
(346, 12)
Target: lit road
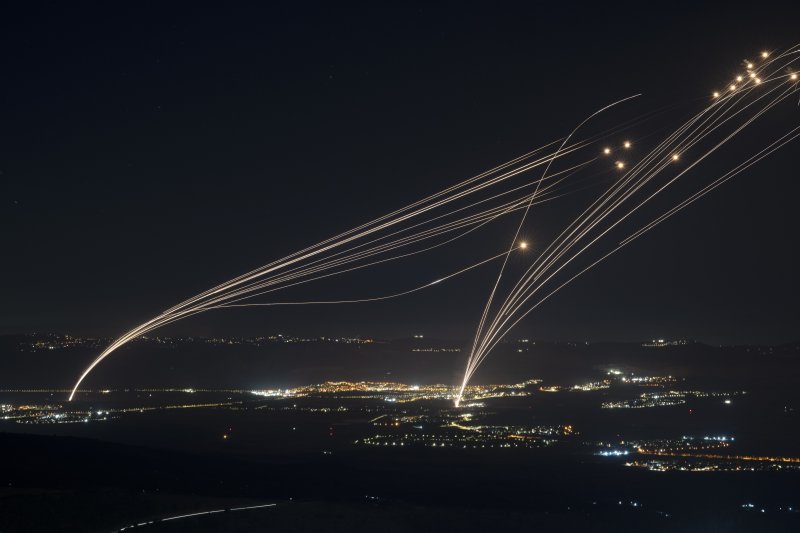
(191, 515)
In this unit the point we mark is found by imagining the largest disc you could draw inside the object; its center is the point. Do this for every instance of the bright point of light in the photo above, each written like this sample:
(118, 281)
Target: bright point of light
(739, 78)
(716, 94)
(620, 164)
(727, 402)
(793, 77)
(733, 87)
(627, 144)
(758, 80)
(613, 453)
(606, 150)
(749, 66)
(523, 245)
(675, 157)
(764, 55)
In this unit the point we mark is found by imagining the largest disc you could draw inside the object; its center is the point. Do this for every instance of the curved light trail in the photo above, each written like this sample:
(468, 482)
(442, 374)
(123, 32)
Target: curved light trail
(489, 198)
(726, 117)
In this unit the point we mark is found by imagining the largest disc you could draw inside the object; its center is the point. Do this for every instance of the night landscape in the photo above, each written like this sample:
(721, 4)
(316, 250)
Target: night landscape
(400, 267)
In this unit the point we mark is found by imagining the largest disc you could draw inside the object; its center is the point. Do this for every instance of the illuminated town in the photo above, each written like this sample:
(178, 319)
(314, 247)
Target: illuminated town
(429, 267)
(391, 415)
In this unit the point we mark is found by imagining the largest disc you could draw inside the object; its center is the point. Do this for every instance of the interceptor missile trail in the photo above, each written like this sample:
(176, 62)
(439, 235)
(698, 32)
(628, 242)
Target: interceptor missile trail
(721, 121)
(461, 211)
(377, 238)
(525, 215)
(521, 246)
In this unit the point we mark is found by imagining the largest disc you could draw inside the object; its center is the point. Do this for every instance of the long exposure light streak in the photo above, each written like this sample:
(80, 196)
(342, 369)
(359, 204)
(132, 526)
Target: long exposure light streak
(525, 215)
(497, 335)
(467, 208)
(194, 515)
(521, 246)
(556, 256)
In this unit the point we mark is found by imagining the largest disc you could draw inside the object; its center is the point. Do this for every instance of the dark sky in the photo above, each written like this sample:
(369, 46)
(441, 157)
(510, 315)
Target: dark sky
(150, 153)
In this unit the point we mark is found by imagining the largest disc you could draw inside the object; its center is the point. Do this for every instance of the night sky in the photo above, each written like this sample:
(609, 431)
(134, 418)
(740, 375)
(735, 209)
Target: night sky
(149, 154)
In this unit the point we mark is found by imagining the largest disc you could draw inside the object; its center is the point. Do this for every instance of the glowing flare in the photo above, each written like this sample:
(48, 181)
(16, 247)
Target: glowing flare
(793, 77)
(557, 255)
(764, 55)
(627, 144)
(620, 165)
(716, 94)
(749, 66)
(739, 78)
(606, 151)
(523, 245)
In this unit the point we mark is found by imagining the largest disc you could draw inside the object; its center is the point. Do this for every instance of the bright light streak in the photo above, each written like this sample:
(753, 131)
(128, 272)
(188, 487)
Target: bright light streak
(713, 126)
(459, 210)
(201, 513)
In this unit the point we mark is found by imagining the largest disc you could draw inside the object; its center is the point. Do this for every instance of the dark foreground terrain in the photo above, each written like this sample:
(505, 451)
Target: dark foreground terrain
(614, 437)
(69, 484)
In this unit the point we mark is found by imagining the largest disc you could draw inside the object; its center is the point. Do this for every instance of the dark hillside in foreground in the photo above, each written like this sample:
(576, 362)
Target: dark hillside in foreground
(66, 484)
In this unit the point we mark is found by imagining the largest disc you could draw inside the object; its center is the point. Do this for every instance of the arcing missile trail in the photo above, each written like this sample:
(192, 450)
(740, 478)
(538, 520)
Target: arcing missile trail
(522, 222)
(263, 277)
(711, 120)
(521, 246)
(463, 210)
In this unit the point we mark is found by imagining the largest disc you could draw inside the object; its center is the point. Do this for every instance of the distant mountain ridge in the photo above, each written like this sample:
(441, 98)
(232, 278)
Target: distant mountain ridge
(197, 362)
